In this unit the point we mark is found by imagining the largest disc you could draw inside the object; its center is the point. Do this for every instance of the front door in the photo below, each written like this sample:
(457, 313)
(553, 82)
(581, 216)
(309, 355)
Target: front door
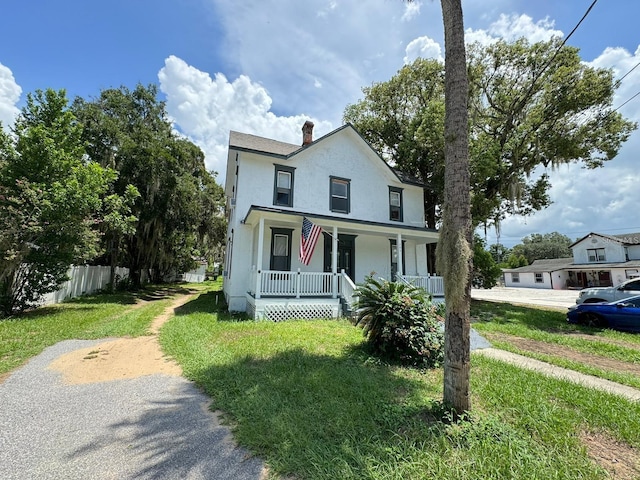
(346, 253)
(280, 258)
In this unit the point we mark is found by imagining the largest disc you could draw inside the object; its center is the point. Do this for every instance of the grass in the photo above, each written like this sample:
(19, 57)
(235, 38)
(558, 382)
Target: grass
(89, 317)
(494, 320)
(308, 398)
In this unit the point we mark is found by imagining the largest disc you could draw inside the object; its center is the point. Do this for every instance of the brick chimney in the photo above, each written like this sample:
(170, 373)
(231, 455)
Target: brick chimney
(307, 133)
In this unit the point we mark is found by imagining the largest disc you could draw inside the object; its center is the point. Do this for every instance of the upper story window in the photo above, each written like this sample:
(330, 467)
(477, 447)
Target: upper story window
(395, 204)
(340, 189)
(596, 255)
(283, 186)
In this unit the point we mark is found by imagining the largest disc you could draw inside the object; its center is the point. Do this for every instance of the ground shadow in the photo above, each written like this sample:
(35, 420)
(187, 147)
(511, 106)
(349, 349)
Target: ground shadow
(174, 438)
(534, 318)
(298, 410)
(209, 302)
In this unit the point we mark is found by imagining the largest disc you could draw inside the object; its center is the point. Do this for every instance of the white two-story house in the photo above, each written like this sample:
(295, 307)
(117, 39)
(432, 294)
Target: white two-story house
(598, 260)
(364, 208)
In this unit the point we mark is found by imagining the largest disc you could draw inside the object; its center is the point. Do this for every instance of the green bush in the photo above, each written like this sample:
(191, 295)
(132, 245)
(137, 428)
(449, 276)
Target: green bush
(401, 323)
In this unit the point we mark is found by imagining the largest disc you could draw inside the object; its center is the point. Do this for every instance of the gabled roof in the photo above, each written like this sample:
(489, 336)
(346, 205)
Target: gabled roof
(267, 146)
(629, 238)
(543, 265)
(623, 238)
(253, 143)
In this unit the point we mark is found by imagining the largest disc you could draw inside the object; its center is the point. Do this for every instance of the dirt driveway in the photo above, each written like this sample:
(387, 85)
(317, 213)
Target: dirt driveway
(114, 409)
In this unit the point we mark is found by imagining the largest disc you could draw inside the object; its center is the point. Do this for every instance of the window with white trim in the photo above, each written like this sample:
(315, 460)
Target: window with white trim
(395, 204)
(539, 278)
(515, 277)
(339, 190)
(596, 255)
(283, 186)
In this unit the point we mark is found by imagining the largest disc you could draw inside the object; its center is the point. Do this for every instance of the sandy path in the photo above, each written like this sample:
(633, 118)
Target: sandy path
(121, 358)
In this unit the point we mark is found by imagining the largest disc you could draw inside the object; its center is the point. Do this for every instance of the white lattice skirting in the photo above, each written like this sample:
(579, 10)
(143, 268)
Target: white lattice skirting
(280, 310)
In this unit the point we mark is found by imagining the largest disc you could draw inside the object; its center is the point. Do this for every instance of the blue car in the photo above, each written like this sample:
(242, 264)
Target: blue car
(620, 315)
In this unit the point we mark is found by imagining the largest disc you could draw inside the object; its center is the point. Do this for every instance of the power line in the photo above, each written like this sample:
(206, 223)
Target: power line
(623, 104)
(555, 54)
(619, 81)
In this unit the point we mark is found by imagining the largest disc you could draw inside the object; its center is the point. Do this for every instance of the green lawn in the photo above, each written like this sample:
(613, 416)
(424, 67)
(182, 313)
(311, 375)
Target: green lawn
(306, 397)
(89, 317)
(498, 321)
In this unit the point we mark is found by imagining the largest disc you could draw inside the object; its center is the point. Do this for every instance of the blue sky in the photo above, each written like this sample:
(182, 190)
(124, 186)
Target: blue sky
(264, 67)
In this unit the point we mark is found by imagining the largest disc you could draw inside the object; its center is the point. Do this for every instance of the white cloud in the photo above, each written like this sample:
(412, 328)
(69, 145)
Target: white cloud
(9, 96)
(205, 109)
(423, 47)
(411, 10)
(507, 27)
(289, 45)
(513, 27)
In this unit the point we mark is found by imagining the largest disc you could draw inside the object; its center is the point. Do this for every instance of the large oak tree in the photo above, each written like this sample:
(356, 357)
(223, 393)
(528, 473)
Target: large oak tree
(179, 208)
(530, 106)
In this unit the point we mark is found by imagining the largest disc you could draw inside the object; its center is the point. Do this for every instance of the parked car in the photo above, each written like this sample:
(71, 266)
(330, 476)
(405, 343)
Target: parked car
(620, 315)
(609, 294)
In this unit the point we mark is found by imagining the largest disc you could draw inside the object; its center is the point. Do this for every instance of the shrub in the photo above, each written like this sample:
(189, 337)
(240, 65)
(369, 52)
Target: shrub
(401, 323)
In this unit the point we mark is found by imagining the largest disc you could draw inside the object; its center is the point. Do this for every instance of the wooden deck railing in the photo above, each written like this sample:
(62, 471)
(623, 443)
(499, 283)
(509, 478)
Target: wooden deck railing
(432, 284)
(273, 283)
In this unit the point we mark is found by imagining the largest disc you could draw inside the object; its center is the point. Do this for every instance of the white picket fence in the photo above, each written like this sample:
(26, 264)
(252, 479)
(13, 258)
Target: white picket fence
(83, 280)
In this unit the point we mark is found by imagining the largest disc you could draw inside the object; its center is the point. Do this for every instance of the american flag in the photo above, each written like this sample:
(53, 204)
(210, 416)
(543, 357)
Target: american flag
(308, 239)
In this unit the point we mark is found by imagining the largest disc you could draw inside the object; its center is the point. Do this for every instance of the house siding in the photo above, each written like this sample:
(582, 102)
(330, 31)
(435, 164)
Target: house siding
(528, 280)
(342, 154)
(614, 251)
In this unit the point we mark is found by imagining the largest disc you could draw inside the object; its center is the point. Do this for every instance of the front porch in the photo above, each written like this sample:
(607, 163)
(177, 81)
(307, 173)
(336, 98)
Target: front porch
(277, 295)
(272, 281)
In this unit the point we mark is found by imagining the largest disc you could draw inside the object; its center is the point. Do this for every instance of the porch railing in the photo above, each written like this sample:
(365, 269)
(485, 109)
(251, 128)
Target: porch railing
(348, 289)
(432, 284)
(274, 283)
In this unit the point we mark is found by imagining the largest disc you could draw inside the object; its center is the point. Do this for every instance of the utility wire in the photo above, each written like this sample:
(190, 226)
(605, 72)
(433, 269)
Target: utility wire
(553, 57)
(623, 104)
(619, 81)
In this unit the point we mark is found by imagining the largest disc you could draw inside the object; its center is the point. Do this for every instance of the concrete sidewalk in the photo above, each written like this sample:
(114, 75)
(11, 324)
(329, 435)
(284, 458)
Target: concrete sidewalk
(562, 373)
(560, 299)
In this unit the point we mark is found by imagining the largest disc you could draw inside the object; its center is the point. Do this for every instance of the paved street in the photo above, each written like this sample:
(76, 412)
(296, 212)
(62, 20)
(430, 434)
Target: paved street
(561, 299)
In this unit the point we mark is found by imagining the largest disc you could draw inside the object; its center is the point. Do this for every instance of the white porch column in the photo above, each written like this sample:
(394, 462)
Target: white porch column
(334, 262)
(422, 264)
(399, 250)
(259, 257)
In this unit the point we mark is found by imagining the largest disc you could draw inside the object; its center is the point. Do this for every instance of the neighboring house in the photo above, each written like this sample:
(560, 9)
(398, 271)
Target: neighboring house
(598, 261)
(364, 208)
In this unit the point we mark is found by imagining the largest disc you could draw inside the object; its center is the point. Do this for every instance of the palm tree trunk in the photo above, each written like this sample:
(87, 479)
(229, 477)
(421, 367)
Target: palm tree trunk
(454, 253)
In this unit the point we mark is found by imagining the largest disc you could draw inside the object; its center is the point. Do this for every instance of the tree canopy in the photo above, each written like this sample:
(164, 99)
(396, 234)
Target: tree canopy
(179, 207)
(486, 271)
(530, 105)
(50, 196)
(538, 246)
